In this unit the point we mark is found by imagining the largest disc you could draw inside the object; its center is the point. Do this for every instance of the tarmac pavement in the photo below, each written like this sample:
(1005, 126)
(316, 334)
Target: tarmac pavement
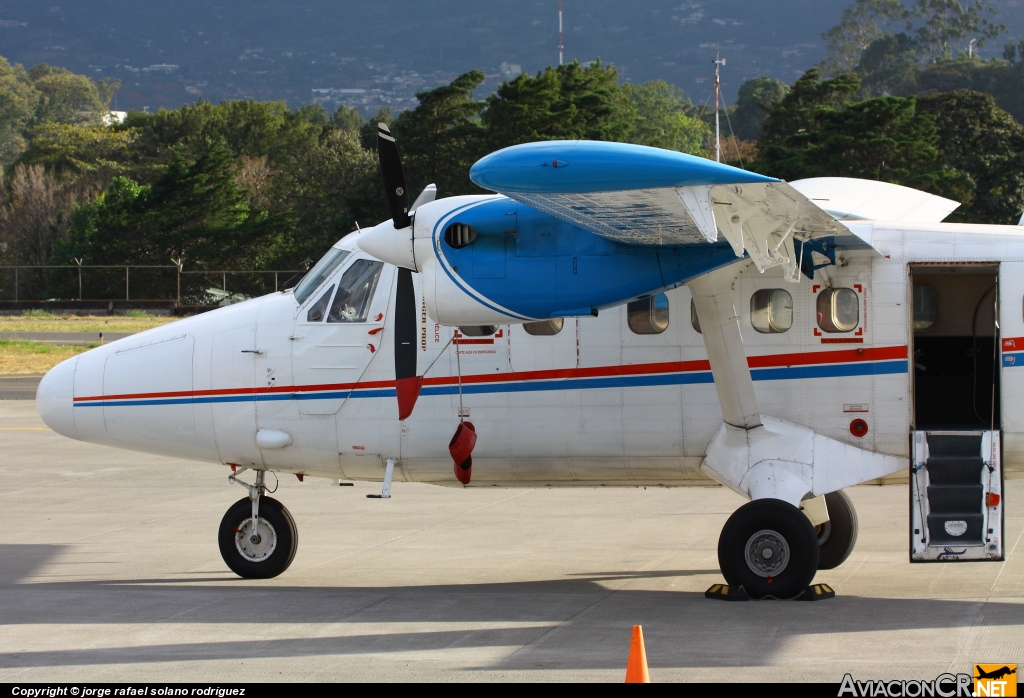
(19, 386)
(65, 338)
(109, 571)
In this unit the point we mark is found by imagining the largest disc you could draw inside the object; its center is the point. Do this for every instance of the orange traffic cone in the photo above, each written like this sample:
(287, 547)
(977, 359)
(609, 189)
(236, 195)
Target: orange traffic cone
(636, 667)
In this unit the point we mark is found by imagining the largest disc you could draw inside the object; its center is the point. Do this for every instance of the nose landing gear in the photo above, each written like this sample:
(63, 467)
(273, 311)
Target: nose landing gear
(257, 537)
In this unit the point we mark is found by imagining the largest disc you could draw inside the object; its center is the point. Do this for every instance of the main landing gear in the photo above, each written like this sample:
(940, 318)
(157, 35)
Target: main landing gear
(770, 548)
(258, 537)
(838, 535)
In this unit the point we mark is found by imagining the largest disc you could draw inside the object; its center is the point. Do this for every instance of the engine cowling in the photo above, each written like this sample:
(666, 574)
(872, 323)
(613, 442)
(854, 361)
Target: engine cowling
(490, 260)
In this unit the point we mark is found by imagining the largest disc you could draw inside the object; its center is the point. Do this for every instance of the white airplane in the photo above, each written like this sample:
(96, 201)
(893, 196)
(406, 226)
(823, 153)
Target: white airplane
(616, 316)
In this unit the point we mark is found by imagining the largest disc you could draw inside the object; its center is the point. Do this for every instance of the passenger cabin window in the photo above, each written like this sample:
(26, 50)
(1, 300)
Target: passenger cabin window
(355, 291)
(838, 310)
(478, 330)
(926, 306)
(317, 310)
(321, 271)
(546, 328)
(694, 320)
(648, 315)
(771, 310)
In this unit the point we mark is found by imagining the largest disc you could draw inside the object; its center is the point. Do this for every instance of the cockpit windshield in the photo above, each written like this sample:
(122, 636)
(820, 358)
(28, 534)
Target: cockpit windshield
(321, 271)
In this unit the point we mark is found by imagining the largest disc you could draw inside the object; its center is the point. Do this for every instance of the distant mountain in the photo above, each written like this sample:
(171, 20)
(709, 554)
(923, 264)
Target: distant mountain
(374, 53)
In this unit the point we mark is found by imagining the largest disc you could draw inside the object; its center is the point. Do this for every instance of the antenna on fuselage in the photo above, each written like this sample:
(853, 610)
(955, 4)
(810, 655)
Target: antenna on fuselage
(719, 62)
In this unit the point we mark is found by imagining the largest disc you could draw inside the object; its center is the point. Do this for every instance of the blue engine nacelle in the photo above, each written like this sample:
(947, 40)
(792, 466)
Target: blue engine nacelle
(491, 260)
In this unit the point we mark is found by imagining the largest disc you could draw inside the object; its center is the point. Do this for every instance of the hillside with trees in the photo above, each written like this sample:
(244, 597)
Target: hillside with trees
(258, 185)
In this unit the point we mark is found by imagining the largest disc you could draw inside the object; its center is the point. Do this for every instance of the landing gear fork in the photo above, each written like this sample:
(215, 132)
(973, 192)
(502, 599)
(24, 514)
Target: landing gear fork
(256, 490)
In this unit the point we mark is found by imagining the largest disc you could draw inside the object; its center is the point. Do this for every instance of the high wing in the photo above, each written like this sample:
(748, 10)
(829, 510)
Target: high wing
(638, 195)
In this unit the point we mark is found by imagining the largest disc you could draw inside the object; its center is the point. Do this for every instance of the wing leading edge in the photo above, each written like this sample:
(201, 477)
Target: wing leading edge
(638, 195)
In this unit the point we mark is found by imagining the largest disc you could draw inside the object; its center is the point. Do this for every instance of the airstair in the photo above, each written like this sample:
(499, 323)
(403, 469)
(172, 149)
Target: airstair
(956, 486)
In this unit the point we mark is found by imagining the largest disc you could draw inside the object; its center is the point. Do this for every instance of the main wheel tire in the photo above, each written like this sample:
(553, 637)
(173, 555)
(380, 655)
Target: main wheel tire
(838, 535)
(768, 547)
(273, 549)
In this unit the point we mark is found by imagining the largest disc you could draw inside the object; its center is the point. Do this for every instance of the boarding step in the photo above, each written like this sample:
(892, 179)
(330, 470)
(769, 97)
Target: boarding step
(956, 488)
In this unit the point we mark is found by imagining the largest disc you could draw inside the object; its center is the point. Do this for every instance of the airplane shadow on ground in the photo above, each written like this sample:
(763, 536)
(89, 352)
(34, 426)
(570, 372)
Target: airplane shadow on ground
(582, 622)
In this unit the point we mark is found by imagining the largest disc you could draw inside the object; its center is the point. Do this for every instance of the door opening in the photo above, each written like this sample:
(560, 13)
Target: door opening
(955, 347)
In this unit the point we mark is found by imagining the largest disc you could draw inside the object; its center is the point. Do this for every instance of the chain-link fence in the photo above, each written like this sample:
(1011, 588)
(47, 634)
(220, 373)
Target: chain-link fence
(140, 283)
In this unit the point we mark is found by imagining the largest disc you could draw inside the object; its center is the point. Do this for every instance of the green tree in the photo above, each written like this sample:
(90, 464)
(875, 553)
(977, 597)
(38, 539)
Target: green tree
(348, 119)
(368, 131)
(565, 102)
(441, 138)
(941, 29)
(883, 139)
(67, 98)
(106, 88)
(797, 111)
(757, 97)
(19, 102)
(949, 24)
(663, 118)
(1003, 80)
(75, 151)
(862, 23)
(889, 66)
(978, 138)
(194, 209)
(246, 127)
(332, 188)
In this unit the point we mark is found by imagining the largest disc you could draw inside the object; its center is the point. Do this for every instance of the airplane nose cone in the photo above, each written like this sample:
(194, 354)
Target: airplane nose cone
(54, 398)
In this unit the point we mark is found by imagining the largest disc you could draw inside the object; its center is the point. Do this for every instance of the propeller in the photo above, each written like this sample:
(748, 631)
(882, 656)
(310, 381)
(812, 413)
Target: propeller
(407, 383)
(394, 177)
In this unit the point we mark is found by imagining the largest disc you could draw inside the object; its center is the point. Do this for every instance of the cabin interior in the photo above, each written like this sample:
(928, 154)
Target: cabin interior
(955, 347)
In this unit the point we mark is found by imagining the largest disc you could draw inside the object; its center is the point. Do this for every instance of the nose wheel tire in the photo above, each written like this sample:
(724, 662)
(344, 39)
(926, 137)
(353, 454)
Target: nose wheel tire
(838, 535)
(769, 547)
(265, 552)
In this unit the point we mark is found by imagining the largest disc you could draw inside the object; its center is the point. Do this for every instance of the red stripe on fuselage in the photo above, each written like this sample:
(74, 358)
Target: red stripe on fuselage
(1013, 343)
(768, 361)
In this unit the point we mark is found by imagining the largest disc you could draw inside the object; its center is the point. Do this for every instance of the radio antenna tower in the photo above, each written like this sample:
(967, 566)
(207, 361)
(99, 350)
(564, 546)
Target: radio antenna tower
(719, 62)
(560, 47)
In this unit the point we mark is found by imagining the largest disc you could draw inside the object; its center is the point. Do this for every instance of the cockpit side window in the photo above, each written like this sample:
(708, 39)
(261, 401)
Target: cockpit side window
(355, 291)
(317, 310)
(320, 272)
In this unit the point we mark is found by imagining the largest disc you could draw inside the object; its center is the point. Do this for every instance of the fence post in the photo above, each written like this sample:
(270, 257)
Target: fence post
(79, 263)
(224, 281)
(126, 295)
(275, 282)
(15, 284)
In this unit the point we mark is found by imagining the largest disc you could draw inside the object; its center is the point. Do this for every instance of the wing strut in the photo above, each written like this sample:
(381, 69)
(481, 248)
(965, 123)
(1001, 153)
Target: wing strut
(720, 328)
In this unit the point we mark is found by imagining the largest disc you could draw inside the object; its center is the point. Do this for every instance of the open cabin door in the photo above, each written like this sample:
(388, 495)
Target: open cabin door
(956, 479)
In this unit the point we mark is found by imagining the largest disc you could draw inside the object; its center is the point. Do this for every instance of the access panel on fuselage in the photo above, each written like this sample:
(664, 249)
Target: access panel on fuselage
(232, 367)
(154, 380)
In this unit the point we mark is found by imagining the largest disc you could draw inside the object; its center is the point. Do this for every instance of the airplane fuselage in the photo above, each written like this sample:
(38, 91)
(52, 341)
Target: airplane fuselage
(596, 403)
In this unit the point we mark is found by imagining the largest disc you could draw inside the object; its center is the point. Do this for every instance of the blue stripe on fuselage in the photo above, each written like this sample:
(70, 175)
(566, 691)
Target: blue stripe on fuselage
(845, 370)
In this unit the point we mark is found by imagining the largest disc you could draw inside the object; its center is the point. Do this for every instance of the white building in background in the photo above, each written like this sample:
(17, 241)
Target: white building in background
(114, 117)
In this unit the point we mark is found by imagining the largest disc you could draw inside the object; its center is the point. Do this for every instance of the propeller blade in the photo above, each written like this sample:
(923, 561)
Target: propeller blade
(394, 177)
(407, 383)
(428, 194)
